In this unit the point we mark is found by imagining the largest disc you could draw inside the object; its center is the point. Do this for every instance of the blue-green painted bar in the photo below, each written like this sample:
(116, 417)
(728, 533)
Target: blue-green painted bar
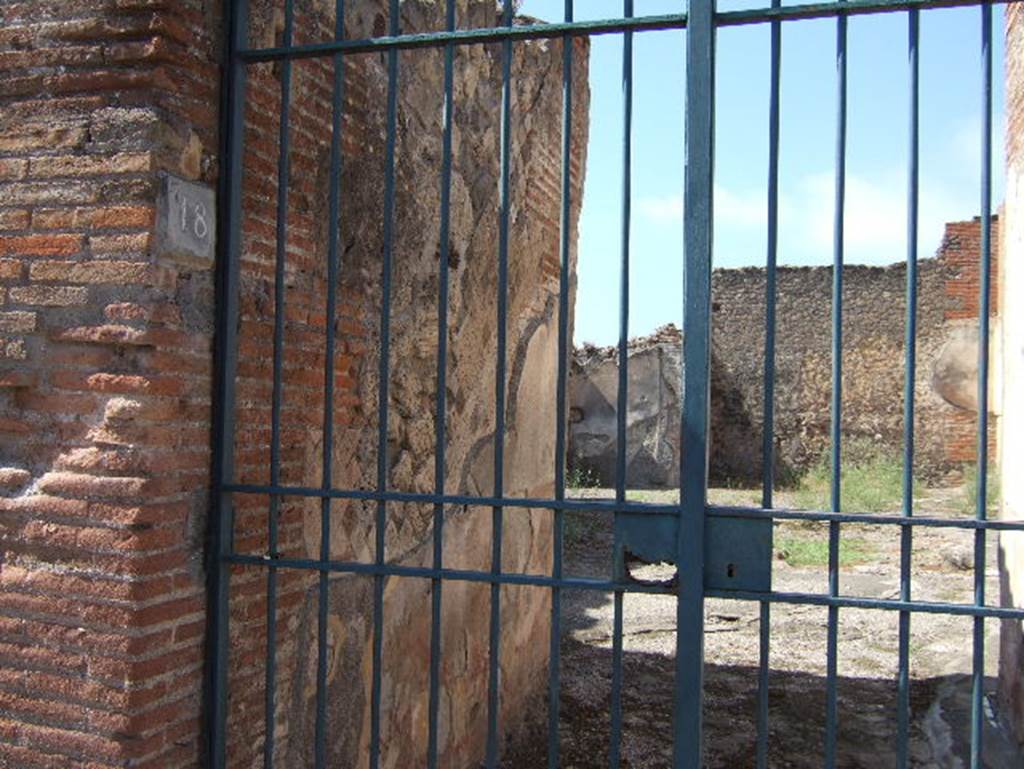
(440, 405)
(610, 506)
(763, 680)
(281, 258)
(768, 428)
(853, 602)
(770, 291)
(327, 471)
(497, 511)
(698, 222)
(229, 237)
(832, 650)
(561, 410)
(615, 741)
(720, 511)
(597, 27)
(910, 379)
(622, 399)
(831, 9)
(984, 308)
(469, 37)
(605, 586)
(384, 375)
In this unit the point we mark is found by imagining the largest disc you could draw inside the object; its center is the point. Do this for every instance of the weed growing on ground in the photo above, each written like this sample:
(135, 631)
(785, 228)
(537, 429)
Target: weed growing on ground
(969, 491)
(805, 551)
(871, 480)
(582, 478)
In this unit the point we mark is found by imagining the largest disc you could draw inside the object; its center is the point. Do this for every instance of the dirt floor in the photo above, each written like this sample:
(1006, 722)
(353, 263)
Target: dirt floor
(940, 648)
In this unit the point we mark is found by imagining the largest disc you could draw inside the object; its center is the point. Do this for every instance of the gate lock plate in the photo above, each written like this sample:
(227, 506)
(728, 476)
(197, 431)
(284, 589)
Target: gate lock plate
(737, 551)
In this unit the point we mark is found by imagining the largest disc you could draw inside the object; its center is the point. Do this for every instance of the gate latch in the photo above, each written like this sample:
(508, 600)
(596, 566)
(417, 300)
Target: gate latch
(737, 551)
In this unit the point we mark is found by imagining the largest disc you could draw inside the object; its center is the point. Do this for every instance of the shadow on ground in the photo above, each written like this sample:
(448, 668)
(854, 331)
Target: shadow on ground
(867, 692)
(866, 736)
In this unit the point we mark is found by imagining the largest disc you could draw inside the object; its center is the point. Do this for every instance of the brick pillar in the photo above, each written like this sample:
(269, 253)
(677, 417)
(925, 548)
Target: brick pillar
(105, 376)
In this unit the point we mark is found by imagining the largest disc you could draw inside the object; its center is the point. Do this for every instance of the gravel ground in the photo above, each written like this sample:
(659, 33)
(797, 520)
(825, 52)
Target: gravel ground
(940, 649)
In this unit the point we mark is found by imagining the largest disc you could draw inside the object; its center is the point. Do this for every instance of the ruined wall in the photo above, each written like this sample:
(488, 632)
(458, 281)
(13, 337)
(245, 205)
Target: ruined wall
(874, 308)
(653, 415)
(105, 430)
(874, 302)
(1011, 434)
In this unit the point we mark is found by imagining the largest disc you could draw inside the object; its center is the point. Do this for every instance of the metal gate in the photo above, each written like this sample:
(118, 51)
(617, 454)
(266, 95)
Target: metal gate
(722, 552)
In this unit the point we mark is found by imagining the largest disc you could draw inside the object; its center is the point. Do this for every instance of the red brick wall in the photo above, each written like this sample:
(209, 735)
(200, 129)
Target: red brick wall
(960, 253)
(105, 370)
(302, 363)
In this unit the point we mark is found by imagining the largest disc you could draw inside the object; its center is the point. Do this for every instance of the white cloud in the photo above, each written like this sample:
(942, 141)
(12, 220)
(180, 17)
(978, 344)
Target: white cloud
(662, 210)
(743, 209)
(875, 225)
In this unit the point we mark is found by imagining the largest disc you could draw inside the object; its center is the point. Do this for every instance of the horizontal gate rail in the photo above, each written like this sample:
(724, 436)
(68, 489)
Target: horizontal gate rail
(581, 583)
(611, 506)
(840, 8)
(598, 27)
(521, 32)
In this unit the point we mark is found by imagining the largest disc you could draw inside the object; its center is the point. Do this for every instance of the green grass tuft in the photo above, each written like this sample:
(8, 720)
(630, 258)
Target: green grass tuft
(802, 551)
(871, 481)
(969, 504)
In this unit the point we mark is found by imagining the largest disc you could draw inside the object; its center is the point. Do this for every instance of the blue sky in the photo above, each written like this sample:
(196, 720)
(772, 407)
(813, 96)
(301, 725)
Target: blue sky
(876, 148)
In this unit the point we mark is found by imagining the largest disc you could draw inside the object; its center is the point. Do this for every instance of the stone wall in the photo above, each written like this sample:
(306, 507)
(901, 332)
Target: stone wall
(106, 379)
(874, 306)
(1011, 361)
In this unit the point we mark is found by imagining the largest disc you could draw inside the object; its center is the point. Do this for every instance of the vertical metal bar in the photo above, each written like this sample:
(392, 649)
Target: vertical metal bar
(283, 181)
(764, 666)
(831, 704)
(384, 374)
(910, 378)
(327, 473)
(768, 437)
(697, 243)
(440, 406)
(561, 415)
(229, 239)
(984, 307)
(497, 514)
(622, 402)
